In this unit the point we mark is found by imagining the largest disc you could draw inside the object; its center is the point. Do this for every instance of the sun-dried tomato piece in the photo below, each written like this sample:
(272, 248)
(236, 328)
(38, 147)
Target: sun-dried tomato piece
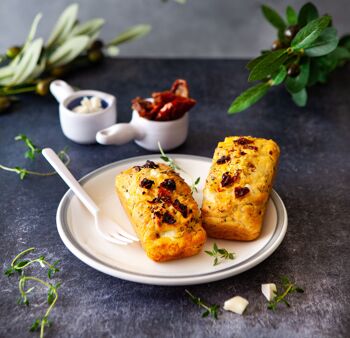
(161, 98)
(223, 159)
(143, 107)
(180, 88)
(168, 218)
(145, 183)
(175, 109)
(227, 179)
(168, 184)
(243, 141)
(150, 164)
(180, 207)
(240, 192)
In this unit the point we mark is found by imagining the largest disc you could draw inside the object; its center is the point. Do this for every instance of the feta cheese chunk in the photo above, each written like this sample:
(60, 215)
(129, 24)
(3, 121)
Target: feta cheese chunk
(92, 105)
(236, 304)
(269, 290)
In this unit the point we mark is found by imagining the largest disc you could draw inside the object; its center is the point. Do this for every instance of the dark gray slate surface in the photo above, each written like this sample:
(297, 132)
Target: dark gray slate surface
(313, 181)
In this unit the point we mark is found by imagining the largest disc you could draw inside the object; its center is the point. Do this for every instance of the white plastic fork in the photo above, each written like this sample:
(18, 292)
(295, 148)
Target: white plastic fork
(108, 229)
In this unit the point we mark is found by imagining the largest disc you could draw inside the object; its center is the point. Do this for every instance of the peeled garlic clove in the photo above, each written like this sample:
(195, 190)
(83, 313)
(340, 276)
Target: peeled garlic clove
(81, 109)
(95, 103)
(236, 304)
(269, 290)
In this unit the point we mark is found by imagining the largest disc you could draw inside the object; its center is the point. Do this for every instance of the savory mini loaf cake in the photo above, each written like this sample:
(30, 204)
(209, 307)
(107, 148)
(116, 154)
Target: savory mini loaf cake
(162, 210)
(238, 187)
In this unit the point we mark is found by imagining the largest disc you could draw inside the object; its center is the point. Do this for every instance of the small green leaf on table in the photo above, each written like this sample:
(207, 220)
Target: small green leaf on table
(133, 33)
(280, 76)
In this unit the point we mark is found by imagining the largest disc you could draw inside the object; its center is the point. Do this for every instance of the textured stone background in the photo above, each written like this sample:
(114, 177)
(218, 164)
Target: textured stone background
(201, 28)
(313, 181)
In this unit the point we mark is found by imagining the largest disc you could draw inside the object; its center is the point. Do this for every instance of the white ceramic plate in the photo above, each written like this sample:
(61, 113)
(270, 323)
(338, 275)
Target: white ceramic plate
(76, 228)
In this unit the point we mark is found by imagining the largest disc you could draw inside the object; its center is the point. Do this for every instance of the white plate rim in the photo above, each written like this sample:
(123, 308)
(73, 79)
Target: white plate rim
(75, 248)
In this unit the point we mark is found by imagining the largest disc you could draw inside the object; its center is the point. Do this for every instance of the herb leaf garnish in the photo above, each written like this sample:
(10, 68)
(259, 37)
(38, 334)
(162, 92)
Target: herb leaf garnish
(220, 254)
(19, 265)
(31, 153)
(210, 310)
(288, 288)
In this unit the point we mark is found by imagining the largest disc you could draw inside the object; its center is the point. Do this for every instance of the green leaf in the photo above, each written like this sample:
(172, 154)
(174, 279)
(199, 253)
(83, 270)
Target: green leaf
(33, 28)
(280, 76)
(133, 33)
(69, 50)
(89, 28)
(307, 35)
(252, 63)
(268, 65)
(248, 98)
(300, 98)
(273, 17)
(296, 84)
(307, 13)
(324, 44)
(63, 25)
(27, 64)
(292, 16)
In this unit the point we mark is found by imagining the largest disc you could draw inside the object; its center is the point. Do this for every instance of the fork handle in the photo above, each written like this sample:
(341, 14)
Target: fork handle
(66, 175)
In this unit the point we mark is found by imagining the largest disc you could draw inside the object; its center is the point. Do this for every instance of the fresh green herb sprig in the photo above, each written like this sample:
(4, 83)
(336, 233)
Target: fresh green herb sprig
(31, 153)
(306, 52)
(173, 165)
(71, 45)
(220, 254)
(210, 310)
(32, 148)
(169, 161)
(19, 265)
(288, 288)
(194, 186)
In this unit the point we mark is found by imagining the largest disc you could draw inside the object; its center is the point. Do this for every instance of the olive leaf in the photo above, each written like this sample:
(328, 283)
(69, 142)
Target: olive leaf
(308, 34)
(249, 97)
(69, 50)
(280, 76)
(89, 28)
(133, 33)
(300, 98)
(63, 25)
(292, 16)
(6, 74)
(324, 44)
(252, 63)
(307, 13)
(28, 62)
(296, 84)
(273, 17)
(268, 65)
(345, 41)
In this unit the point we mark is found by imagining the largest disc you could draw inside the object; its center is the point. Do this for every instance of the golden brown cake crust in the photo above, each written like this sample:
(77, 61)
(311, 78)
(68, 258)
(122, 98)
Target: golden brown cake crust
(161, 208)
(238, 187)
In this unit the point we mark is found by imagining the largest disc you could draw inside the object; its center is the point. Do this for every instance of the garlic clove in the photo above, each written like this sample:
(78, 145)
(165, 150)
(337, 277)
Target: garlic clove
(269, 290)
(236, 304)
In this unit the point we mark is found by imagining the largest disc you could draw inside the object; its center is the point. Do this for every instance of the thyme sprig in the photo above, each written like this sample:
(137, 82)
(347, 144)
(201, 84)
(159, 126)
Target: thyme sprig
(220, 255)
(194, 186)
(288, 288)
(211, 310)
(19, 265)
(173, 165)
(31, 153)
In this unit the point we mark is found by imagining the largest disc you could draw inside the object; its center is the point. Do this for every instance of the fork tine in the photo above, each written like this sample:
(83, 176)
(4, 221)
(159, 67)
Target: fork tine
(125, 233)
(112, 239)
(118, 236)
